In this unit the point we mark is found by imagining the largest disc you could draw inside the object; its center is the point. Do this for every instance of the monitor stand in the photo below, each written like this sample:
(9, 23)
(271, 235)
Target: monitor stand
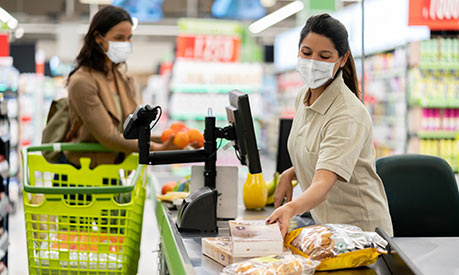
(202, 202)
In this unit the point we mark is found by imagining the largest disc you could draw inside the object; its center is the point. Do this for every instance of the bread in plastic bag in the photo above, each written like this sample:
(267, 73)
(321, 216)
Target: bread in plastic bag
(286, 264)
(337, 246)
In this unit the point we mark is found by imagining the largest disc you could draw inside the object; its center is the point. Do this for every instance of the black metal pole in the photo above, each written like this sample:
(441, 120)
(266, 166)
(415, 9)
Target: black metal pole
(144, 144)
(210, 146)
(182, 156)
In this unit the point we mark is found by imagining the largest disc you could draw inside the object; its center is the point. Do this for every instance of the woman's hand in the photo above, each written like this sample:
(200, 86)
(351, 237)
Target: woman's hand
(284, 189)
(282, 216)
(168, 145)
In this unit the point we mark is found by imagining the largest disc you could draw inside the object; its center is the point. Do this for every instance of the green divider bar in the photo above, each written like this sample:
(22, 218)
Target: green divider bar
(169, 246)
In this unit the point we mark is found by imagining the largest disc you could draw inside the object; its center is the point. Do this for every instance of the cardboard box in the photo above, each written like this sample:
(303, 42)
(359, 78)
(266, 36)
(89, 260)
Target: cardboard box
(219, 250)
(255, 238)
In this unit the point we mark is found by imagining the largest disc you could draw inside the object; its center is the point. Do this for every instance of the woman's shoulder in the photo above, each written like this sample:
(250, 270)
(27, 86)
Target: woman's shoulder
(82, 74)
(83, 79)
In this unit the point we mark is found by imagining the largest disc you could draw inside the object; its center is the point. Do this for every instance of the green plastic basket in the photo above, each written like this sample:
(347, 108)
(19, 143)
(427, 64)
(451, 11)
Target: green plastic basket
(82, 221)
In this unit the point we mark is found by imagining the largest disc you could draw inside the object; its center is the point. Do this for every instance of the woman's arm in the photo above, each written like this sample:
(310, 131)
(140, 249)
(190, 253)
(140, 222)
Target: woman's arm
(321, 184)
(284, 188)
(83, 96)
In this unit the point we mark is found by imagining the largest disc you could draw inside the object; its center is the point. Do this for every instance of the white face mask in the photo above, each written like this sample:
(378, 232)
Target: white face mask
(314, 73)
(118, 51)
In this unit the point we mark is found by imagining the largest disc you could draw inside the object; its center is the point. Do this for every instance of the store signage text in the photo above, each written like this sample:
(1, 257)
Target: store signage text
(437, 14)
(209, 48)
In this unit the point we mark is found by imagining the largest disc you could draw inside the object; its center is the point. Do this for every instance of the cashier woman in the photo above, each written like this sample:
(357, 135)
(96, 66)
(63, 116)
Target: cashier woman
(331, 139)
(101, 95)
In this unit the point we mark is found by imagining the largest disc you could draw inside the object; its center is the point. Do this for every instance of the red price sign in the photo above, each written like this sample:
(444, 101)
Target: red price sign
(209, 48)
(437, 14)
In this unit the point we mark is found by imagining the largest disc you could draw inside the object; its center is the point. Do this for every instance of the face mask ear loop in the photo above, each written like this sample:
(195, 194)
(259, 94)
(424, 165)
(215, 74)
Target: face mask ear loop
(100, 45)
(339, 67)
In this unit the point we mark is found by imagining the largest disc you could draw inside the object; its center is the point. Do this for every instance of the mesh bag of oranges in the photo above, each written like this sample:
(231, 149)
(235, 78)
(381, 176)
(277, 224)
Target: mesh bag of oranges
(337, 246)
(183, 136)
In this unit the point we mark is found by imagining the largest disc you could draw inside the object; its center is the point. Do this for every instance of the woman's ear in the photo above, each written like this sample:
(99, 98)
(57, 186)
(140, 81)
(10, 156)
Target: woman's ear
(344, 60)
(98, 37)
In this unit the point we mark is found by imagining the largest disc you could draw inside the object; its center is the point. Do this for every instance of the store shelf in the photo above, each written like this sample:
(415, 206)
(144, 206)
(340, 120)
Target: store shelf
(438, 134)
(389, 119)
(205, 88)
(439, 66)
(436, 103)
(384, 74)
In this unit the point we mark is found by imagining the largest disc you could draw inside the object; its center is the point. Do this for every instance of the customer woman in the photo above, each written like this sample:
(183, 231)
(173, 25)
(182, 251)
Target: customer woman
(101, 95)
(331, 140)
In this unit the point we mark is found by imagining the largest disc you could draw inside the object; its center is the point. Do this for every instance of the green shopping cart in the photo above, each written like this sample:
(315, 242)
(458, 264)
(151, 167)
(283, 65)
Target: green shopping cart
(82, 221)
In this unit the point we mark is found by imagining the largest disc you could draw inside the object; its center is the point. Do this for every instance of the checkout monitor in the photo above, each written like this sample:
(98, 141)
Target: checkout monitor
(240, 117)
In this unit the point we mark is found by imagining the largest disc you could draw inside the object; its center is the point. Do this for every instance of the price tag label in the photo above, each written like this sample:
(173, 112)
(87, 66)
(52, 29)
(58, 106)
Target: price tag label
(209, 48)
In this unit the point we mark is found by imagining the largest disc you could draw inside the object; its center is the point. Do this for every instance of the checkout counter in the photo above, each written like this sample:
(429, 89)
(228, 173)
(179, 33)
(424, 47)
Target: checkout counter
(181, 252)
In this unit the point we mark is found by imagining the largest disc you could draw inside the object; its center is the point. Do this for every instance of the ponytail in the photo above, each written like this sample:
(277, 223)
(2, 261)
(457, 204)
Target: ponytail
(350, 76)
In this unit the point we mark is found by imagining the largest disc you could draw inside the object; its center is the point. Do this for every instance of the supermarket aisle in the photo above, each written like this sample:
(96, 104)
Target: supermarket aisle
(148, 263)
(17, 252)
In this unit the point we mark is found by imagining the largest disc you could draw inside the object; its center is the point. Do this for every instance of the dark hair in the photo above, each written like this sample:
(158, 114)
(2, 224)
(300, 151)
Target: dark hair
(328, 26)
(91, 54)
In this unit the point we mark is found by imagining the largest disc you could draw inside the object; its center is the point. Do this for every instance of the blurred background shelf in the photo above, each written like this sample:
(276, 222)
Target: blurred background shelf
(438, 134)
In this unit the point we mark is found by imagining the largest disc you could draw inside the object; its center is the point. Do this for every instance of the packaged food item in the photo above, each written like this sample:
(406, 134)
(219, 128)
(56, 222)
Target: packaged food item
(219, 250)
(255, 238)
(286, 264)
(337, 246)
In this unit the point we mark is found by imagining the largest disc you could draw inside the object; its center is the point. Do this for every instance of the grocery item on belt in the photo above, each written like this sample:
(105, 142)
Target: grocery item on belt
(255, 238)
(219, 250)
(286, 264)
(337, 246)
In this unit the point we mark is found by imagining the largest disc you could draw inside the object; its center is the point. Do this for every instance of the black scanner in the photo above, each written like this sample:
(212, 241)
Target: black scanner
(198, 211)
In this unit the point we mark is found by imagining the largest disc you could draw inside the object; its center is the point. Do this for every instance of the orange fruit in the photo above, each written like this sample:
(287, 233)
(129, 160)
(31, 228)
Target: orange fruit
(196, 136)
(168, 187)
(178, 127)
(166, 135)
(181, 139)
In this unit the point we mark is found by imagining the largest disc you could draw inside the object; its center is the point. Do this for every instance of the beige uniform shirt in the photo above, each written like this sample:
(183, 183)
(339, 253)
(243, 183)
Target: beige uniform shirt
(335, 134)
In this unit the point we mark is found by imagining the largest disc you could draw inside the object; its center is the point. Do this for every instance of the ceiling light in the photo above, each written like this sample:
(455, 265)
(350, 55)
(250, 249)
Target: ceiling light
(276, 17)
(19, 33)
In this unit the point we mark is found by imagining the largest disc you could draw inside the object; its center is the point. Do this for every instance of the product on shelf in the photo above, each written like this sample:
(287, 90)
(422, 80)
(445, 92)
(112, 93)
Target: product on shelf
(444, 148)
(433, 82)
(198, 86)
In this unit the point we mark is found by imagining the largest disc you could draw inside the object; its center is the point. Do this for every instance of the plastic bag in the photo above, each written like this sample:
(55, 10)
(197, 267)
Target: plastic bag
(287, 264)
(337, 246)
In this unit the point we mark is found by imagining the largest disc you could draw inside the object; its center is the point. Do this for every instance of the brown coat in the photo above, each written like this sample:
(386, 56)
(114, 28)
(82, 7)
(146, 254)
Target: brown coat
(90, 95)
